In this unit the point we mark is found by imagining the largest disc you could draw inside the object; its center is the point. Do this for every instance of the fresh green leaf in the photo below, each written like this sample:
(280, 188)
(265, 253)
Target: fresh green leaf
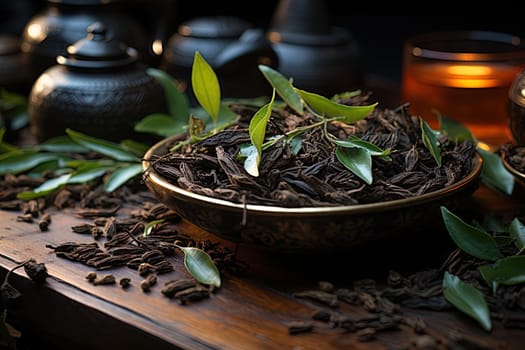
(121, 176)
(283, 87)
(330, 108)
(494, 174)
(19, 161)
(357, 160)
(467, 299)
(200, 265)
(508, 271)
(150, 226)
(353, 141)
(455, 130)
(205, 86)
(62, 144)
(107, 148)
(430, 140)
(470, 239)
(46, 188)
(86, 174)
(135, 147)
(162, 125)
(178, 102)
(257, 130)
(251, 159)
(517, 232)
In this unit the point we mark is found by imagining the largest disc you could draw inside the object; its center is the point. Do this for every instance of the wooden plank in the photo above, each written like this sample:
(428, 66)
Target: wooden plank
(248, 312)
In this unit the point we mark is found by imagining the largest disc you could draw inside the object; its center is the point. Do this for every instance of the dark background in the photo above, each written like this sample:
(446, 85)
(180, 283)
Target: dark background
(379, 34)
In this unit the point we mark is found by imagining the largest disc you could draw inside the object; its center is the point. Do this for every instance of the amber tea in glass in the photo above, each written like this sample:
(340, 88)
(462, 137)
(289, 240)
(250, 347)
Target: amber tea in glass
(465, 76)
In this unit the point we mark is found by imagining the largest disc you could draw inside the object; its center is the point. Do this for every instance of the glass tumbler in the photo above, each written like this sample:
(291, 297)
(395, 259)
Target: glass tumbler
(465, 76)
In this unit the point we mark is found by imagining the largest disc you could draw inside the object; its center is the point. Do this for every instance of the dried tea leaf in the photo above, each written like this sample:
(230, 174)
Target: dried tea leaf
(508, 271)
(467, 299)
(472, 240)
(200, 265)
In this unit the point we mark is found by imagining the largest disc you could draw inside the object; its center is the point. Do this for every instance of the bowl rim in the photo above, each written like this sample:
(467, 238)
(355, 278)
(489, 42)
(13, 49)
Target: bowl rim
(515, 172)
(154, 177)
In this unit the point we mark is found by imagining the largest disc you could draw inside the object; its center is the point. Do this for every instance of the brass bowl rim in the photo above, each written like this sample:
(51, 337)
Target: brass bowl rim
(515, 172)
(158, 180)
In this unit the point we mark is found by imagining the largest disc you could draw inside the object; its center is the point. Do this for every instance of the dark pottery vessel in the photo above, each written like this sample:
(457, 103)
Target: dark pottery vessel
(100, 88)
(231, 46)
(13, 75)
(63, 22)
(319, 57)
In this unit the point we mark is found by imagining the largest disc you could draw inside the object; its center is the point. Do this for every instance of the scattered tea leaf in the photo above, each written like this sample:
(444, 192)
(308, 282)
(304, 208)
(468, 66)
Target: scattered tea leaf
(430, 141)
(494, 174)
(46, 188)
(467, 299)
(62, 144)
(205, 86)
(470, 239)
(122, 175)
(107, 148)
(330, 108)
(20, 161)
(517, 232)
(509, 270)
(283, 87)
(200, 265)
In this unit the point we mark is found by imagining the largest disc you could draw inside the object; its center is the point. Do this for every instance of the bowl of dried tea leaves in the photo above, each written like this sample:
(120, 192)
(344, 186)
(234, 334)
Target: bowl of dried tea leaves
(303, 173)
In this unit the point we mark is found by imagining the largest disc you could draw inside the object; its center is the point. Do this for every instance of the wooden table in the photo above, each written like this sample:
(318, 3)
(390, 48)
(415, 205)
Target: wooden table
(249, 311)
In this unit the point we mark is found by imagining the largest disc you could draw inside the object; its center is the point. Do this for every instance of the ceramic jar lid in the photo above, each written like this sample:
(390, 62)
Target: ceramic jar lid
(97, 51)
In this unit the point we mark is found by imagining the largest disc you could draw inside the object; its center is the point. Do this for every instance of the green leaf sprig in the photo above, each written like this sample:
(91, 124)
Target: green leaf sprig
(355, 155)
(121, 162)
(499, 269)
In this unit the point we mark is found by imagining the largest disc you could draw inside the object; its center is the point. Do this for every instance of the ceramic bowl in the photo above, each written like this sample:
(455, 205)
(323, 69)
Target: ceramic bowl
(307, 229)
(510, 164)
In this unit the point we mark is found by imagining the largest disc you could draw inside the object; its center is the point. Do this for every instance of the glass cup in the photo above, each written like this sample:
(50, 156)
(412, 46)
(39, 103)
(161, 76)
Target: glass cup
(465, 76)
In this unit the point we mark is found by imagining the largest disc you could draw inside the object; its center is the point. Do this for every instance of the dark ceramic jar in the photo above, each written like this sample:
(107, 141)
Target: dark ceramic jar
(13, 75)
(100, 88)
(232, 46)
(61, 23)
(321, 58)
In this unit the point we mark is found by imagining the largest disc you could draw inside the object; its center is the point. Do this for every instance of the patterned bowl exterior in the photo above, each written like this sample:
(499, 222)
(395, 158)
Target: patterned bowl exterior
(306, 230)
